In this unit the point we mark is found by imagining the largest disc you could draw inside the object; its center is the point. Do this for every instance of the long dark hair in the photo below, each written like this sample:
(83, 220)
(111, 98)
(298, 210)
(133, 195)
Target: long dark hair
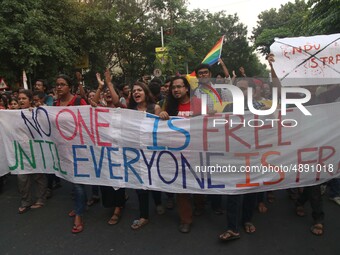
(66, 78)
(148, 96)
(28, 93)
(172, 103)
(4, 100)
(68, 81)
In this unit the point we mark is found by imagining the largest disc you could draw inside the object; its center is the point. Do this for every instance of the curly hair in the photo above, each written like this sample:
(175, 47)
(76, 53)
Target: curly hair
(172, 103)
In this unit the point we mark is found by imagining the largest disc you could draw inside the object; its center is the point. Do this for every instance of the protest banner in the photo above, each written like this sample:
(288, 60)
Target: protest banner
(302, 61)
(204, 154)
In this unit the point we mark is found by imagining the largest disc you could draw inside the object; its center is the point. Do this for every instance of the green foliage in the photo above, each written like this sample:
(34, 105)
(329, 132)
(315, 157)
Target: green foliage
(47, 37)
(323, 17)
(284, 22)
(198, 31)
(296, 19)
(38, 36)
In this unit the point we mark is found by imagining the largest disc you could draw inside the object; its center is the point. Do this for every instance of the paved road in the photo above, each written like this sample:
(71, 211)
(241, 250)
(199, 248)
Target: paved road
(48, 230)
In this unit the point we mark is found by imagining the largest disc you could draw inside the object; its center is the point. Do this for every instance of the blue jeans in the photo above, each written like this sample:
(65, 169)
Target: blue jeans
(80, 198)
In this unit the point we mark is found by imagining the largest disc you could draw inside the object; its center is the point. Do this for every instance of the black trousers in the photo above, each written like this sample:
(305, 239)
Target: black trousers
(112, 197)
(313, 195)
(143, 199)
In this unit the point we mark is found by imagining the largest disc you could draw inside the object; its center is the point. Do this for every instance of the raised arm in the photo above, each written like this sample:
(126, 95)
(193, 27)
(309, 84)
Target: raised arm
(108, 78)
(224, 68)
(275, 81)
(100, 88)
(233, 78)
(79, 77)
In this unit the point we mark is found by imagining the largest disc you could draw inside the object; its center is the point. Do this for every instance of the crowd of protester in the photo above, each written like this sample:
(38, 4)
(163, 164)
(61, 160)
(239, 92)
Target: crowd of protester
(171, 97)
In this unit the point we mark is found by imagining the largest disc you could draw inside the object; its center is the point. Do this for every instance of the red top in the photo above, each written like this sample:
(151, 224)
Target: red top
(71, 103)
(191, 108)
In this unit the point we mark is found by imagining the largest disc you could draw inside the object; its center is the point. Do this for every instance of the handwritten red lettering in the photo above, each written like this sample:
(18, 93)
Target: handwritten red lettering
(247, 157)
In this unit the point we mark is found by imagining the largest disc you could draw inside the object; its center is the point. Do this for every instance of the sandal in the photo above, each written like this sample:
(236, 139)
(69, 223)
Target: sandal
(229, 235)
(77, 228)
(317, 229)
(23, 209)
(93, 200)
(160, 209)
(262, 207)
(300, 211)
(114, 219)
(137, 224)
(37, 206)
(270, 197)
(249, 227)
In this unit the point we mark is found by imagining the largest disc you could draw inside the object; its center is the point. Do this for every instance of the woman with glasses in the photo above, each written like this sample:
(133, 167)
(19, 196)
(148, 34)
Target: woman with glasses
(66, 98)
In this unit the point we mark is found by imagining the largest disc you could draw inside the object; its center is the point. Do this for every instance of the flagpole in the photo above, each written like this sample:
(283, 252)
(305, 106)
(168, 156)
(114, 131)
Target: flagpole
(162, 37)
(24, 79)
(222, 46)
(221, 49)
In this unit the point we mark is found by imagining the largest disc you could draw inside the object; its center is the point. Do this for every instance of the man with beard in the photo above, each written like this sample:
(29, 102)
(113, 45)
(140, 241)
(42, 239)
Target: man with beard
(41, 85)
(180, 104)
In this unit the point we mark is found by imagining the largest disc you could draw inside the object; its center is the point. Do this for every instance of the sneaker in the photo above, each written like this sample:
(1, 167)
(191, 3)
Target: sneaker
(184, 228)
(160, 209)
(335, 199)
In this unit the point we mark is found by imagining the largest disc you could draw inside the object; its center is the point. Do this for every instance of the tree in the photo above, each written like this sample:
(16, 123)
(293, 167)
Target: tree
(285, 22)
(38, 36)
(323, 17)
(46, 37)
(118, 32)
(197, 32)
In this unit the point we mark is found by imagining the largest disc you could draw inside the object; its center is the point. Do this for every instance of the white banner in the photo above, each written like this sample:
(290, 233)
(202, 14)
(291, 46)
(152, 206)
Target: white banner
(302, 61)
(125, 148)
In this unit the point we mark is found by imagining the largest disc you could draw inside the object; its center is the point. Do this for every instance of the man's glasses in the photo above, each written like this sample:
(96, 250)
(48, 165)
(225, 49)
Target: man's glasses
(60, 85)
(203, 72)
(177, 87)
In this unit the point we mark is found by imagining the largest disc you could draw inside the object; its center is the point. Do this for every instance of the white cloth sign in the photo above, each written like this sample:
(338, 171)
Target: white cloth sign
(302, 61)
(125, 148)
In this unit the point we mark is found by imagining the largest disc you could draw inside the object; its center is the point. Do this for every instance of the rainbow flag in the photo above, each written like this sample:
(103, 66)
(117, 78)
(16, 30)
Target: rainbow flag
(211, 58)
(214, 54)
